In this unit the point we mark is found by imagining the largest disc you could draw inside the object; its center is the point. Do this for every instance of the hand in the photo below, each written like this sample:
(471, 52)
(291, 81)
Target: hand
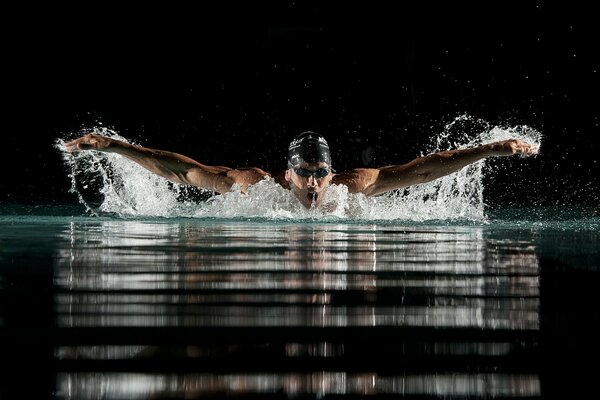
(90, 142)
(513, 146)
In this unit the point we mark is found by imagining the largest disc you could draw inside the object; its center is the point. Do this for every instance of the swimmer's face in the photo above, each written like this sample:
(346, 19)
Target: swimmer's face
(309, 181)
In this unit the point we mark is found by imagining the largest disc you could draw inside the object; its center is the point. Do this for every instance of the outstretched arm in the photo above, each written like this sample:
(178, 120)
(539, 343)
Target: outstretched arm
(172, 166)
(374, 181)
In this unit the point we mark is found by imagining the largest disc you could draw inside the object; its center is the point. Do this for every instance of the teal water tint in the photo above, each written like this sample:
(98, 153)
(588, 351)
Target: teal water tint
(187, 307)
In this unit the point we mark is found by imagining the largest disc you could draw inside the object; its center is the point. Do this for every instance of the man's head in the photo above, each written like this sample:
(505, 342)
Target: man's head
(309, 168)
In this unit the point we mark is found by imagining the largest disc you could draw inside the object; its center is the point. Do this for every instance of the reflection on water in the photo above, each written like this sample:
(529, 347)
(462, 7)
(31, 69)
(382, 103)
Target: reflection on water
(142, 274)
(143, 386)
(146, 309)
(149, 275)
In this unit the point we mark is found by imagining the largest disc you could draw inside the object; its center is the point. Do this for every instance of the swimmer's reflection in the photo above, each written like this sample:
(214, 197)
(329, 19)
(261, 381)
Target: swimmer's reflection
(135, 274)
(127, 385)
(126, 273)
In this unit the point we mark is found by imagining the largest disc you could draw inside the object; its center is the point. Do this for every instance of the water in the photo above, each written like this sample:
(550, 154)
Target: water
(137, 308)
(147, 289)
(109, 184)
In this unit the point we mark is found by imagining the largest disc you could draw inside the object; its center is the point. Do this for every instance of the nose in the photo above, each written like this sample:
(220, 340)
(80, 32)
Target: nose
(312, 181)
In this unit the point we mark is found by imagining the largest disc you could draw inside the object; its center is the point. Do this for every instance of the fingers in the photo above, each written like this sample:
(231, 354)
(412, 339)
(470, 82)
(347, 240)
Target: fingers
(519, 147)
(77, 145)
(71, 146)
(515, 146)
(87, 142)
(525, 148)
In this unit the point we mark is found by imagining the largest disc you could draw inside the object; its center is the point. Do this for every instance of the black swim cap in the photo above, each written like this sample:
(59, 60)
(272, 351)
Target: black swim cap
(309, 147)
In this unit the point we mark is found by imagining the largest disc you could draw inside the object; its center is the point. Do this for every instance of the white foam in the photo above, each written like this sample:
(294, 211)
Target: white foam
(109, 183)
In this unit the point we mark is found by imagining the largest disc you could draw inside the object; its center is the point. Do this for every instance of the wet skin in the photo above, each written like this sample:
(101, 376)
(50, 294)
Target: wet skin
(309, 190)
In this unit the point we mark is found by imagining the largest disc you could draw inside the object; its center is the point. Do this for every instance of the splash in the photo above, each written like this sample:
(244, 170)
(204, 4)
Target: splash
(110, 184)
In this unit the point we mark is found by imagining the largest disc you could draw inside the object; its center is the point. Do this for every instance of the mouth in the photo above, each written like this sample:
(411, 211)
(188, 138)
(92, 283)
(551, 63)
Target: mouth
(312, 196)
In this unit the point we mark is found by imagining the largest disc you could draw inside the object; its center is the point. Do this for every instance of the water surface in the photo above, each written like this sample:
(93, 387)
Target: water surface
(153, 307)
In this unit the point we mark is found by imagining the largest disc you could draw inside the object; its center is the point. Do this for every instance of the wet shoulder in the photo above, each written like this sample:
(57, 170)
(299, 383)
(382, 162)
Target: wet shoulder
(279, 178)
(246, 175)
(357, 180)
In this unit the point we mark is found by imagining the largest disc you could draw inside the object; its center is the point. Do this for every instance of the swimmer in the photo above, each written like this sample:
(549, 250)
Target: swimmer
(309, 163)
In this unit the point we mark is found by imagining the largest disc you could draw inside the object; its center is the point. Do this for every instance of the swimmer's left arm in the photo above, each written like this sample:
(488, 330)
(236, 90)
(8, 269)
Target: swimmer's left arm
(374, 181)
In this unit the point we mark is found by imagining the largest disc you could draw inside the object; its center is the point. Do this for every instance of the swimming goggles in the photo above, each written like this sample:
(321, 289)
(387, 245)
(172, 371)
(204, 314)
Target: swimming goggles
(305, 173)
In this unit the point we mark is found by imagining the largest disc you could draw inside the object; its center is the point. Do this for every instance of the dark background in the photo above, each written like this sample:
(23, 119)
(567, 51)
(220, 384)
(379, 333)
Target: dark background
(230, 83)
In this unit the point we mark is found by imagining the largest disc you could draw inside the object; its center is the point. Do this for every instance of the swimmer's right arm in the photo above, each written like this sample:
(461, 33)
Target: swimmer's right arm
(172, 166)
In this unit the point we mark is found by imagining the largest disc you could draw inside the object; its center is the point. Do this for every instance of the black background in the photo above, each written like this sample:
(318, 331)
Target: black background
(230, 83)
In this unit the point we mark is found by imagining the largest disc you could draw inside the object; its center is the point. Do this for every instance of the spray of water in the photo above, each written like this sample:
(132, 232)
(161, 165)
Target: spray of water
(110, 184)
